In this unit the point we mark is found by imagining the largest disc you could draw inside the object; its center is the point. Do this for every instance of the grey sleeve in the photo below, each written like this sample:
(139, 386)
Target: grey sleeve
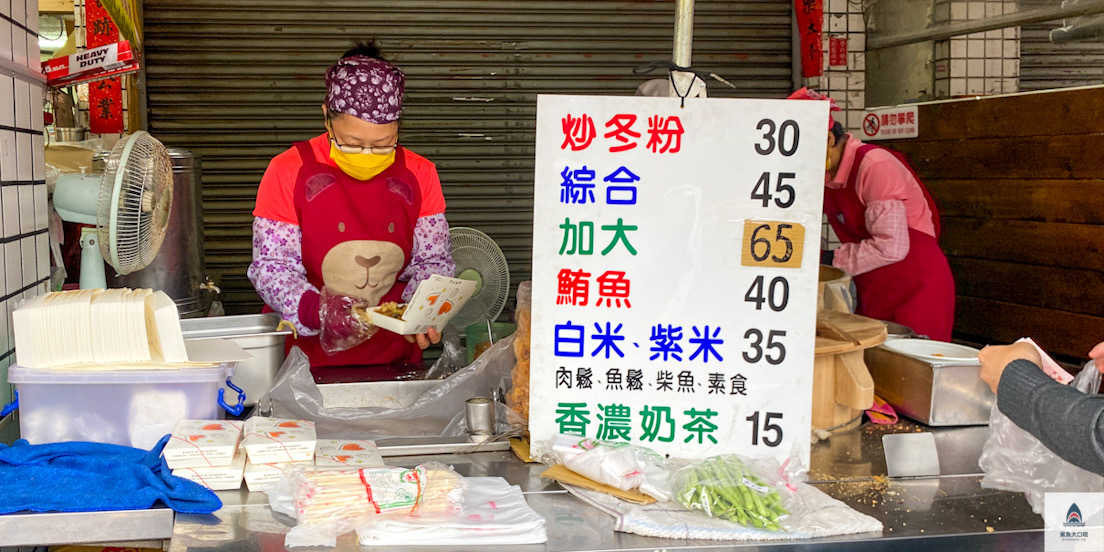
(1069, 422)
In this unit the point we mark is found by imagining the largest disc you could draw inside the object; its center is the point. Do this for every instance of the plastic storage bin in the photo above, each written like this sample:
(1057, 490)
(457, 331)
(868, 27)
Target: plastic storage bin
(124, 407)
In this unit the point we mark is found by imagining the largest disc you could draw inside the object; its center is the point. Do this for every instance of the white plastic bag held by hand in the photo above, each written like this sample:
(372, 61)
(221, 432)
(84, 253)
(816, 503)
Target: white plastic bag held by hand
(341, 329)
(1014, 460)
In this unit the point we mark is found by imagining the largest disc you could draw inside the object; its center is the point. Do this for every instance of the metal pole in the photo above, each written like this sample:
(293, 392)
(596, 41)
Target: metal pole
(941, 32)
(684, 32)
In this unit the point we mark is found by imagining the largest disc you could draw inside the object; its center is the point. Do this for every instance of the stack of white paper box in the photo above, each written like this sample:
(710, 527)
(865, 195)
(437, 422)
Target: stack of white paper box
(207, 452)
(273, 445)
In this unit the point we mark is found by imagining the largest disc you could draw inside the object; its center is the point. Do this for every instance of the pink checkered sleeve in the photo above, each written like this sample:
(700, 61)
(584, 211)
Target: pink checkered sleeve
(887, 223)
(431, 254)
(277, 270)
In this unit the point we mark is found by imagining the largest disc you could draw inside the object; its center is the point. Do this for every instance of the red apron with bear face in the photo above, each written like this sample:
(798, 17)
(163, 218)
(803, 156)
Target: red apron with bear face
(357, 240)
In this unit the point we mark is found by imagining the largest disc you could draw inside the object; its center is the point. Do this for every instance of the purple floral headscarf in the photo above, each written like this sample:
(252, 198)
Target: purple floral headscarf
(366, 88)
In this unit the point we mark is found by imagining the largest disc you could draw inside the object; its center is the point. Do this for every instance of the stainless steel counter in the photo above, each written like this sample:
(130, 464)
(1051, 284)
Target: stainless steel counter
(950, 511)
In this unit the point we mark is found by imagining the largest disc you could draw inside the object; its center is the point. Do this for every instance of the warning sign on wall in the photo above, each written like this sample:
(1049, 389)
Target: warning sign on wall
(891, 123)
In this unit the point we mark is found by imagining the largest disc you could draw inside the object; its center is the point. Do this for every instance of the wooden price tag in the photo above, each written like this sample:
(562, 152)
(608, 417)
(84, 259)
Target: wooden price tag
(773, 244)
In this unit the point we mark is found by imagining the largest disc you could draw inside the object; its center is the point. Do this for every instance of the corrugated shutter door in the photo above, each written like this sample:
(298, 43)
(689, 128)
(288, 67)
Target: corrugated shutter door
(238, 82)
(1045, 65)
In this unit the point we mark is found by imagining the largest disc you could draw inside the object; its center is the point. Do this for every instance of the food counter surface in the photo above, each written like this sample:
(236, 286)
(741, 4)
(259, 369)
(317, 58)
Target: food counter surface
(949, 511)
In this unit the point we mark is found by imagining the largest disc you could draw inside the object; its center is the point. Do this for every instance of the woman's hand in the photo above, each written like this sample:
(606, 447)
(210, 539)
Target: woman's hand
(1097, 354)
(425, 340)
(994, 358)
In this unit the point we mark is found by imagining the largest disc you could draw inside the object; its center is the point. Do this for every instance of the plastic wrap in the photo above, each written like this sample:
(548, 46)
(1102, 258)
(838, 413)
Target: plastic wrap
(438, 412)
(1014, 460)
(341, 330)
(328, 503)
(518, 396)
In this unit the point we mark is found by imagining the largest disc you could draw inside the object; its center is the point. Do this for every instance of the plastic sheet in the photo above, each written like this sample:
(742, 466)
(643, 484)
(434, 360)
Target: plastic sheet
(1014, 460)
(493, 512)
(813, 514)
(438, 412)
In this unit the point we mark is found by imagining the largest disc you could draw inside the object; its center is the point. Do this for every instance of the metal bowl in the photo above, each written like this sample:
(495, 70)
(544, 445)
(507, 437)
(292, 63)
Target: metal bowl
(898, 331)
(69, 134)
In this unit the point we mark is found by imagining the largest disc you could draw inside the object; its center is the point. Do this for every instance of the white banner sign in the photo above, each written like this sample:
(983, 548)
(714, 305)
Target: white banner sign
(675, 265)
(891, 123)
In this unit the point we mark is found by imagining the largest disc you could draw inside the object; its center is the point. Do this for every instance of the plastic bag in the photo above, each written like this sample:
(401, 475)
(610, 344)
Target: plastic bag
(1014, 460)
(438, 412)
(453, 355)
(329, 503)
(619, 465)
(727, 487)
(341, 329)
(518, 396)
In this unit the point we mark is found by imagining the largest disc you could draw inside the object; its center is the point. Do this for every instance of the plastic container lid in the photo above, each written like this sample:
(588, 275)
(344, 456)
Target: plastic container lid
(937, 352)
(18, 374)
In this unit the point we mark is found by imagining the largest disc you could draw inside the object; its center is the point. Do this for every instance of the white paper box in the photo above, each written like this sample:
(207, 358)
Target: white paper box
(273, 440)
(202, 444)
(221, 478)
(352, 454)
(259, 475)
(434, 303)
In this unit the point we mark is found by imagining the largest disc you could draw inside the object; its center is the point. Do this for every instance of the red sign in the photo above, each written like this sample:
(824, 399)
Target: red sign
(91, 64)
(837, 51)
(810, 21)
(105, 97)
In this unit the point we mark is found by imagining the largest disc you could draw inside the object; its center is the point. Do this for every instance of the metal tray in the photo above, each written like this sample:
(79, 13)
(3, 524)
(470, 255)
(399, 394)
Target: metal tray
(258, 335)
(933, 394)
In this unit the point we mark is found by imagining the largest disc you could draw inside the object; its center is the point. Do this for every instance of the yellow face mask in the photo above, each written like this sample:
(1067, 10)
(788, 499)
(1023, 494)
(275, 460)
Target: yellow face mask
(361, 166)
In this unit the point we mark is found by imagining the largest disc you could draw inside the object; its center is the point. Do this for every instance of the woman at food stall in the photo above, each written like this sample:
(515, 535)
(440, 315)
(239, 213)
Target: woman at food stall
(350, 219)
(888, 226)
(1069, 422)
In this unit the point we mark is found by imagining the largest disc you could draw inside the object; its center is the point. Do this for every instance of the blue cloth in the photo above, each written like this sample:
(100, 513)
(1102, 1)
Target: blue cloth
(92, 477)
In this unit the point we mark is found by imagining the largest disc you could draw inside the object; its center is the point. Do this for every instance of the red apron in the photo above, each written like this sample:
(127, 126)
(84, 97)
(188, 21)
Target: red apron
(339, 216)
(917, 291)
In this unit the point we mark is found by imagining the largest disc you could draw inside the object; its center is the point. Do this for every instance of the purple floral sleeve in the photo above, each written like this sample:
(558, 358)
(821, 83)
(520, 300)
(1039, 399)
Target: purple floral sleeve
(277, 270)
(432, 253)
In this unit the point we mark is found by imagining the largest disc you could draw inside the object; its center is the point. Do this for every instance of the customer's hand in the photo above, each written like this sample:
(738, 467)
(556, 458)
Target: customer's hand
(1097, 354)
(432, 336)
(995, 358)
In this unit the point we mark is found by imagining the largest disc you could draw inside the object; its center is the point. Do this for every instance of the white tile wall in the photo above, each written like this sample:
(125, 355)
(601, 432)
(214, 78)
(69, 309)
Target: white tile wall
(979, 63)
(24, 243)
(7, 100)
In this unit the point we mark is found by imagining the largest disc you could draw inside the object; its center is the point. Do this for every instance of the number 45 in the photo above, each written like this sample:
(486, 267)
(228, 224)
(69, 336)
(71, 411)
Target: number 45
(762, 190)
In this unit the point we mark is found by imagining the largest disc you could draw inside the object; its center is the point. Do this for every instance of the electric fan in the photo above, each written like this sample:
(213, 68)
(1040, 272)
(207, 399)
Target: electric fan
(479, 258)
(131, 213)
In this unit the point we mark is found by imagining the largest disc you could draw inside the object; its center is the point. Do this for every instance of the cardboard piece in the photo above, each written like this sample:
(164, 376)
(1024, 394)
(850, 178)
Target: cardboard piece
(561, 474)
(520, 446)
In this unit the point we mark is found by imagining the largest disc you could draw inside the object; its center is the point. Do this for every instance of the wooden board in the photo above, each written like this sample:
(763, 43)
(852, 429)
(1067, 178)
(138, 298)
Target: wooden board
(1056, 288)
(867, 331)
(1068, 201)
(1059, 157)
(1043, 243)
(1077, 111)
(1058, 332)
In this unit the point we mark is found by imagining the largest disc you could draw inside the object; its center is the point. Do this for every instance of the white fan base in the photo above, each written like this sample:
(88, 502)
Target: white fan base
(92, 274)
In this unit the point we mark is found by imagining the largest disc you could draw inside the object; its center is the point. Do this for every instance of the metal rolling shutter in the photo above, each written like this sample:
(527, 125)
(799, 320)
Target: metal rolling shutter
(238, 82)
(1045, 65)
